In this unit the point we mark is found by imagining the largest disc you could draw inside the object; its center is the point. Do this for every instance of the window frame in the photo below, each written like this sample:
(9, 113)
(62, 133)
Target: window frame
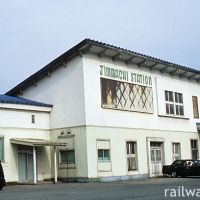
(67, 151)
(33, 119)
(2, 150)
(126, 96)
(103, 156)
(169, 102)
(174, 103)
(131, 155)
(195, 107)
(174, 154)
(194, 149)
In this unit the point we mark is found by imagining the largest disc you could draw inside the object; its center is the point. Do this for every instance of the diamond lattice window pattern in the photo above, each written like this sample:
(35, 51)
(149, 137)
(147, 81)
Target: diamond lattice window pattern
(126, 96)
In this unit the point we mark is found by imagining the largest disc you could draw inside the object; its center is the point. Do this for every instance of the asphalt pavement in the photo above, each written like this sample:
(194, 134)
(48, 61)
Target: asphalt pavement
(154, 188)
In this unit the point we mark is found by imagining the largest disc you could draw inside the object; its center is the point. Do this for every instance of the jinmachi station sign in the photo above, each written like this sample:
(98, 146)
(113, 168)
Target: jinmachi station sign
(125, 76)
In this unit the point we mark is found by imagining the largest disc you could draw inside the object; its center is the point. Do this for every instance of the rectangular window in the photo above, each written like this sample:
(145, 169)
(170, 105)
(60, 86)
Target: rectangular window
(194, 149)
(195, 107)
(174, 103)
(126, 96)
(2, 149)
(131, 155)
(103, 155)
(176, 151)
(33, 119)
(67, 156)
(179, 103)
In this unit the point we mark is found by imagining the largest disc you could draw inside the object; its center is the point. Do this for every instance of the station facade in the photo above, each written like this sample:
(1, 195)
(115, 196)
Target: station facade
(109, 114)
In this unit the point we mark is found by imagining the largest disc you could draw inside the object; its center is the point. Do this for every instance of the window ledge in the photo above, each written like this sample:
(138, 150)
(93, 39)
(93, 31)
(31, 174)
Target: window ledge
(174, 116)
(133, 172)
(63, 167)
(104, 170)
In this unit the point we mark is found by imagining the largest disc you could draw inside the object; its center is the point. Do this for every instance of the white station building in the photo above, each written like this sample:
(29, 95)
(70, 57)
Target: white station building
(108, 114)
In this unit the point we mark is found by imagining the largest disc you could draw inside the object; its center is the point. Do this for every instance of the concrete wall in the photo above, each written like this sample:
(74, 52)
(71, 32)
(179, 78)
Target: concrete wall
(15, 122)
(77, 141)
(65, 91)
(118, 138)
(117, 126)
(20, 116)
(75, 93)
(96, 115)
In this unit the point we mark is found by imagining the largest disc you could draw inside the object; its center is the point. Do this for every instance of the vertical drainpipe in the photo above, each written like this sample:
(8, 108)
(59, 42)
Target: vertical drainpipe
(34, 165)
(55, 164)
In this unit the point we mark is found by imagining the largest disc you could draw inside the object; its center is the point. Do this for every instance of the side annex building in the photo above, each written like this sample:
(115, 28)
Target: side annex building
(99, 112)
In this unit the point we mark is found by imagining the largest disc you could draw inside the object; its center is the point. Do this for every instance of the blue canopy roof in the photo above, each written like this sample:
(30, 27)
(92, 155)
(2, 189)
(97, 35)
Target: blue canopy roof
(17, 100)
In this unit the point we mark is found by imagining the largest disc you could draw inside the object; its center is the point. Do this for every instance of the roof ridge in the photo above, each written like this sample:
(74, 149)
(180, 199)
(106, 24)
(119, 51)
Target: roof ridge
(140, 54)
(85, 45)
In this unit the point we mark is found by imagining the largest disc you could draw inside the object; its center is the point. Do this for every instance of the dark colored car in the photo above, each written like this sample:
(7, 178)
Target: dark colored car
(2, 179)
(182, 168)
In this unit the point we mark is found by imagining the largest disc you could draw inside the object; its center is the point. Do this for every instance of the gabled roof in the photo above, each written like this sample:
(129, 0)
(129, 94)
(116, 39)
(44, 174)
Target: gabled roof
(113, 52)
(17, 100)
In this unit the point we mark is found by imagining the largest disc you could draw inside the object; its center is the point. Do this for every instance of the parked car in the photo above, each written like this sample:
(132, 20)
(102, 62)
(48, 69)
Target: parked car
(182, 168)
(2, 179)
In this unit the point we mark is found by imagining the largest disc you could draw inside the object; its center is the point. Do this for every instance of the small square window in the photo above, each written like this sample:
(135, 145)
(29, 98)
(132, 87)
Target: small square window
(67, 157)
(103, 155)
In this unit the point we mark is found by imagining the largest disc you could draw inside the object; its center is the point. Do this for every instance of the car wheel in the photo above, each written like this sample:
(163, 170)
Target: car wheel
(173, 174)
(1, 187)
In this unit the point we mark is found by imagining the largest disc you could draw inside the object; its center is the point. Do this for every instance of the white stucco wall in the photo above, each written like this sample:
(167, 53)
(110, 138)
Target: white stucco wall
(76, 140)
(118, 138)
(119, 126)
(20, 116)
(10, 163)
(75, 93)
(95, 115)
(65, 91)
(15, 122)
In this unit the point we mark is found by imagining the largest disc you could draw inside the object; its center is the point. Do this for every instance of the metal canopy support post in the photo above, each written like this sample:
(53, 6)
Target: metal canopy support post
(55, 164)
(34, 165)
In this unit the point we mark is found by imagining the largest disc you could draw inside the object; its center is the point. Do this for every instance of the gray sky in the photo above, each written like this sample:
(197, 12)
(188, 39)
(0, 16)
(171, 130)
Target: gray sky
(35, 32)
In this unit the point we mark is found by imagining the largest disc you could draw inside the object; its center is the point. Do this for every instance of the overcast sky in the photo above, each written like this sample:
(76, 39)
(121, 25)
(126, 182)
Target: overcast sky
(35, 32)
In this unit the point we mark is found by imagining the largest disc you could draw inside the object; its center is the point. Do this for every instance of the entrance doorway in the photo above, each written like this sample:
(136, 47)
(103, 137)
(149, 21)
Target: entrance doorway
(25, 166)
(156, 158)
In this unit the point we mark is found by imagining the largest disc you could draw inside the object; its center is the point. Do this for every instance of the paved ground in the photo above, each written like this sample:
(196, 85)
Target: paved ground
(157, 188)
